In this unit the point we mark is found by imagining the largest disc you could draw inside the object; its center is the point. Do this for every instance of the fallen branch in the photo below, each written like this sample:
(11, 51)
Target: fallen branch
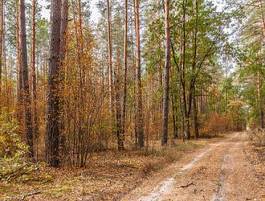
(187, 185)
(24, 196)
(30, 194)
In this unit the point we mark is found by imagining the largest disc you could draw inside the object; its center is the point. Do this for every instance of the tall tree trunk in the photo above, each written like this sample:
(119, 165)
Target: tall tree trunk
(263, 18)
(193, 80)
(1, 40)
(4, 65)
(63, 30)
(174, 116)
(125, 51)
(24, 67)
(139, 108)
(260, 102)
(33, 77)
(111, 105)
(53, 109)
(20, 112)
(133, 34)
(195, 115)
(166, 77)
(120, 140)
(184, 92)
(63, 35)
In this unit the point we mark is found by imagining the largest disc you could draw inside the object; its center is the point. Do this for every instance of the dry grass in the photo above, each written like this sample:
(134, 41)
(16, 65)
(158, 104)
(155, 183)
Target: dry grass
(256, 156)
(108, 175)
(257, 137)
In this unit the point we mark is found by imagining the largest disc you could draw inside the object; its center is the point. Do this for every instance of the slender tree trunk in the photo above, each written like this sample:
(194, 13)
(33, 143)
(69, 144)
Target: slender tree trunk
(111, 105)
(182, 76)
(139, 112)
(63, 30)
(33, 77)
(193, 80)
(166, 77)
(125, 71)
(20, 112)
(4, 65)
(53, 116)
(120, 140)
(195, 115)
(135, 76)
(1, 40)
(260, 102)
(184, 92)
(174, 116)
(24, 67)
(263, 18)
(63, 35)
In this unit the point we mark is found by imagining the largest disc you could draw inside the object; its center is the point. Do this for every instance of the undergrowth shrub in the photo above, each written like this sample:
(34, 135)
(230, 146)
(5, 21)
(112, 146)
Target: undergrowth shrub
(14, 164)
(215, 124)
(257, 136)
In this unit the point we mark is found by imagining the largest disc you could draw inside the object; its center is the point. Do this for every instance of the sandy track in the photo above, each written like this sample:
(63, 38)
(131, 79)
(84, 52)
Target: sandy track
(220, 172)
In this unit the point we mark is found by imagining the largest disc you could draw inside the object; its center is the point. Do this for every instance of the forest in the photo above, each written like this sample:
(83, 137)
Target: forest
(134, 100)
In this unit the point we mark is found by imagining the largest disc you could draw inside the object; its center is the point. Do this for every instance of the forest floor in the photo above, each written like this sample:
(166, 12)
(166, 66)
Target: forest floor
(108, 176)
(224, 168)
(231, 169)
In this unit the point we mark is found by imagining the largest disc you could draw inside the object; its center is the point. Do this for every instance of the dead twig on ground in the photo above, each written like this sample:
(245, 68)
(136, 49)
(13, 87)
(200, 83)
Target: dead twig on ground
(30, 194)
(187, 185)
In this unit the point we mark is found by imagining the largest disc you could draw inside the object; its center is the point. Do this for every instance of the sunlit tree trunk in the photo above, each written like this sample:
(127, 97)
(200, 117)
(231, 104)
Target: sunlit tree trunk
(195, 115)
(125, 70)
(260, 102)
(53, 100)
(120, 139)
(193, 81)
(63, 35)
(24, 67)
(166, 77)
(263, 18)
(63, 30)
(184, 90)
(33, 77)
(1, 40)
(174, 116)
(139, 108)
(20, 112)
(110, 68)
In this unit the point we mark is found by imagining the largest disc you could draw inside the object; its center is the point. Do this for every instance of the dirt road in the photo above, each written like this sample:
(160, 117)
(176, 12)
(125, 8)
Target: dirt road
(220, 172)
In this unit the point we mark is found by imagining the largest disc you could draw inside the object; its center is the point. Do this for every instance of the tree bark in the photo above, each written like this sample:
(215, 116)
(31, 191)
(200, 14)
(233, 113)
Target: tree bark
(20, 112)
(53, 116)
(120, 140)
(63, 30)
(174, 116)
(193, 80)
(63, 37)
(184, 92)
(166, 77)
(110, 68)
(260, 102)
(125, 51)
(24, 67)
(1, 40)
(33, 77)
(195, 115)
(139, 108)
